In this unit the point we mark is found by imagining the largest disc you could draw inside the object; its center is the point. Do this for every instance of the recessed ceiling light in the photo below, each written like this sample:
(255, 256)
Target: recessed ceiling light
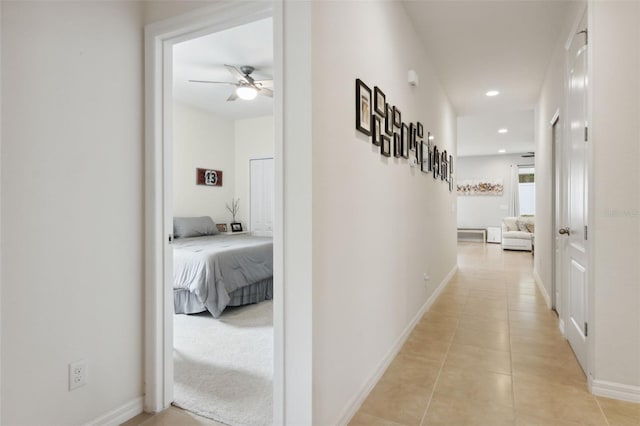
(503, 130)
(502, 151)
(492, 93)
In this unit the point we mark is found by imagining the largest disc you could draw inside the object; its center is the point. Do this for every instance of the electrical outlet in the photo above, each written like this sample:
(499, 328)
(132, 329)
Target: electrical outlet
(78, 374)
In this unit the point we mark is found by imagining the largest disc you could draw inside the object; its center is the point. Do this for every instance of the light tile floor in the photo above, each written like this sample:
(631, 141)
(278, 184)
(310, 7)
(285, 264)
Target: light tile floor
(488, 352)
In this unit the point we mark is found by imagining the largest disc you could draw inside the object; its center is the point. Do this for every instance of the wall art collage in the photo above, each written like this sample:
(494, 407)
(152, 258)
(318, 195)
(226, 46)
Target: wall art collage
(382, 121)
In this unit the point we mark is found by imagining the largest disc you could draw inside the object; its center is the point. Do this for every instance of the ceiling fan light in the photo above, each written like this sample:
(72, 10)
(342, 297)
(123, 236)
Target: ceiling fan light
(246, 93)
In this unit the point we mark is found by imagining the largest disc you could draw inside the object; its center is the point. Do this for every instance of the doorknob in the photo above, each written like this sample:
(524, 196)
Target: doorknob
(564, 231)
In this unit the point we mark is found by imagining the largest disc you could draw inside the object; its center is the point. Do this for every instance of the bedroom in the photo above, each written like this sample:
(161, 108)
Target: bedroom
(222, 167)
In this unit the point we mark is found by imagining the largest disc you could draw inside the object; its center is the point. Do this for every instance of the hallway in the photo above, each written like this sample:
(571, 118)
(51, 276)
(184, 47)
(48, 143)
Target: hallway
(489, 352)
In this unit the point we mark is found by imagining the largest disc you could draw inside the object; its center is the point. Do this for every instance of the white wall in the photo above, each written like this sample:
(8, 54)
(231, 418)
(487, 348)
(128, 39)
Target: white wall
(614, 33)
(72, 205)
(72, 188)
(551, 100)
(253, 139)
(480, 211)
(202, 140)
(378, 224)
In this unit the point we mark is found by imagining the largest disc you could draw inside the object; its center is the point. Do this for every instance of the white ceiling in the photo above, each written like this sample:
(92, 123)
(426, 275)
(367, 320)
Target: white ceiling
(477, 46)
(204, 59)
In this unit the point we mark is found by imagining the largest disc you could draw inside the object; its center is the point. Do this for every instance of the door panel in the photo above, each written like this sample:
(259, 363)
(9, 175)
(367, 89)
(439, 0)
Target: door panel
(575, 162)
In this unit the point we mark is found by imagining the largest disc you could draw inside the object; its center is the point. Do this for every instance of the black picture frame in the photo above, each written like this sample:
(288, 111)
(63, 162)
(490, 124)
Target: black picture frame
(236, 227)
(379, 102)
(385, 148)
(419, 129)
(430, 161)
(412, 136)
(404, 144)
(397, 145)
(436, 162)
(397, 117)
(388, 120)
(363, 107)
(376, 134)
(404, 135)
(444, 168)
(424, 163)
(450, 164)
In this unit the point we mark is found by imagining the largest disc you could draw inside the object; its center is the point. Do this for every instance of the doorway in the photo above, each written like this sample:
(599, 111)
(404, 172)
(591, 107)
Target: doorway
(160, 39)
(557, 208)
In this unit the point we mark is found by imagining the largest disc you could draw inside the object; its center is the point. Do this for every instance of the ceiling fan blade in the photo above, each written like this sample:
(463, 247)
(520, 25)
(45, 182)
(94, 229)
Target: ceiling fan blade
(235, 72)
(233, 96)
(266, 92)
(213, 82)
(265, 84)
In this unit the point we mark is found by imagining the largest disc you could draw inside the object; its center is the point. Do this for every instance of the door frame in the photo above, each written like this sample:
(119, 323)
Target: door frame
(556, 208)
(158, 332)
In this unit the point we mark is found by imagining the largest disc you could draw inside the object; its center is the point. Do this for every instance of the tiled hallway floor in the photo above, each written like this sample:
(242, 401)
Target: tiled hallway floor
(489, 352)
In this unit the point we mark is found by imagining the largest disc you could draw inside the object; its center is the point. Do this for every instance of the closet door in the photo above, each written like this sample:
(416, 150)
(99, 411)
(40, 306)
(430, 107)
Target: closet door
(261, 193)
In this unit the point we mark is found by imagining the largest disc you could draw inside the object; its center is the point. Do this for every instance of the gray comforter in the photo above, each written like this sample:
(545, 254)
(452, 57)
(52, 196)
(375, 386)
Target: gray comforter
(211, 267)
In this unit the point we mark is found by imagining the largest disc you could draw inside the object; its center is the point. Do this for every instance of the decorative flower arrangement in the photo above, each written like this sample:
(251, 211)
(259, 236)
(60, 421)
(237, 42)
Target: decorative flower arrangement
(234, 208)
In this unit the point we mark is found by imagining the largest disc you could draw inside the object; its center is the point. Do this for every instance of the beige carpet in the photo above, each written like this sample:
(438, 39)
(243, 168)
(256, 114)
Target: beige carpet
(223, 368)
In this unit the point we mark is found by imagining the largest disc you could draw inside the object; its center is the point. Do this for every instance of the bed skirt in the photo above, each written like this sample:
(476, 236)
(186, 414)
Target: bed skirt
(185, 302)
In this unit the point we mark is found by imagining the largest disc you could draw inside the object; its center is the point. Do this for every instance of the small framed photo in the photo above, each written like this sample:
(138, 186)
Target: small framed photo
(443, 167)
(363, 107)
(388, 121)
(424, 157)
(236, 227)
(404, 135)
(436, 162)
(380, 103)
(450, 164)
(419, 129)
(397, 117)
(386, 146)
(404, 145)
(412, 136)
(450, 183)
(397, 145)
(376, 137)
(430, 160)
(222, 227)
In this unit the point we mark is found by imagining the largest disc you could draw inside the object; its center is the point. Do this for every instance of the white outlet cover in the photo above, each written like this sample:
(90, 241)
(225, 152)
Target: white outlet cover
(78, 374)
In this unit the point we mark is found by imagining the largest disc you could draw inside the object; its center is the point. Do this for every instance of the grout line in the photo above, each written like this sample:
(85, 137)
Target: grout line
(601, 410)
(444, 360)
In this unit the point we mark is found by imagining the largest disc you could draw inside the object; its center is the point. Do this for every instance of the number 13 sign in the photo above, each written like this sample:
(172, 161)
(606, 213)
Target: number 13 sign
(209, 177)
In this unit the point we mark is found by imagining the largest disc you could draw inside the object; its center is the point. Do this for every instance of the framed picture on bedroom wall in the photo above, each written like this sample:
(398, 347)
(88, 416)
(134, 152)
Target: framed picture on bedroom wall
(236, 227)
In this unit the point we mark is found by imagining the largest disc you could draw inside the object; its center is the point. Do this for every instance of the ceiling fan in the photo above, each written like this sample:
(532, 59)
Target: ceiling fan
(246, 87)
(528, 155)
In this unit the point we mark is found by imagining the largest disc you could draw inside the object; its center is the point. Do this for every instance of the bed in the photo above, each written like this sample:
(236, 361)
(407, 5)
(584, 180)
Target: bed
(211, 272)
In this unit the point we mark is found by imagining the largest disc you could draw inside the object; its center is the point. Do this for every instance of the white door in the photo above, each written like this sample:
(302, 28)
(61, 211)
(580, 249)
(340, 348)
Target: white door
(261, 194)
(575, 259)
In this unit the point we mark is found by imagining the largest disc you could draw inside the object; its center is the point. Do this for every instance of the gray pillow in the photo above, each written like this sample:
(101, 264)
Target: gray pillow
(185, 227)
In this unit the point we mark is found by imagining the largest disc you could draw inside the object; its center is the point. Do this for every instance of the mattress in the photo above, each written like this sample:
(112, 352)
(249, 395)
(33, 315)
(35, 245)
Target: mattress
(221, 270)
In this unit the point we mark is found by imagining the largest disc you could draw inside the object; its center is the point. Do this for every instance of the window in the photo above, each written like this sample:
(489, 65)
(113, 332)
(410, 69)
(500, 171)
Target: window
(527, 190)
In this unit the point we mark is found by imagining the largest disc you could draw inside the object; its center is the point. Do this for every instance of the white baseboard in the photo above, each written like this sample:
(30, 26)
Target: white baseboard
(354, 404)
(543, 290)
(119, 415)
(614, 390)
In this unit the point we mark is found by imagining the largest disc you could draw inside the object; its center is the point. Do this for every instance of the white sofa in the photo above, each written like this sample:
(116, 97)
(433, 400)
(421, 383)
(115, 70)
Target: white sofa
(517, 233)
